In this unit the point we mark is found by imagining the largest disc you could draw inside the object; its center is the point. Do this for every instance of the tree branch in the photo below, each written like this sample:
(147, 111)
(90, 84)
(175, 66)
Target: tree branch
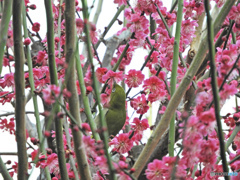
(71, 86)
(19, 91)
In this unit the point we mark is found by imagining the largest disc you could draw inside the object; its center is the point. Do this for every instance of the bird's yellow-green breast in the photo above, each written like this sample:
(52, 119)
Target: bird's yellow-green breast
(116, 112)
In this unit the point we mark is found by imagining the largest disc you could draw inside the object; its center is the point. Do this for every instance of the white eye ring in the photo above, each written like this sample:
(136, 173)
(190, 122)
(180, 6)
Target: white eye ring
(113, 90)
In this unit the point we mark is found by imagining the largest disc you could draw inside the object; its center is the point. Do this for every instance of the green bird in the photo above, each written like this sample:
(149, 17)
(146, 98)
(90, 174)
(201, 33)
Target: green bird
(115, 114)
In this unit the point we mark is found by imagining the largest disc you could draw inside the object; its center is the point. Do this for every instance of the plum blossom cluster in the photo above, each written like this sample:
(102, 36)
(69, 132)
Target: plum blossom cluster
(234, 15)
(7, 80)
(192, 9)
(161, 169)
(6, 125)
(51, 161)
(126, 59)
(50, 94)
(98, 161)
(154, 90)
(134, 78)
(200, 140)
(139, 25)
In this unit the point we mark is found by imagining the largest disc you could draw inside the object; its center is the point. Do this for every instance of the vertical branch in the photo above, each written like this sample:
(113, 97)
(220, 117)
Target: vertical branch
(152, 27)
(31, 82)
(59, 27)
(215, 86)
(87, 108)
(4, 171)
(95, 83)
(175, 100)
(19, 91)
(98, 11)
(68, 137)
(54, 80)
(174, 75)
(50, 42)
(6, 15)
(71, 86)
(170, 35)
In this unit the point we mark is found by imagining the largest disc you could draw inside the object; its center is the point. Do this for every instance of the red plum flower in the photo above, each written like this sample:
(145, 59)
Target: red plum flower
(134, 78)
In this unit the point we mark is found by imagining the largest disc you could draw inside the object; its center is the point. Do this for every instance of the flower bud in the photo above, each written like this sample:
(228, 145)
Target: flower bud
(47, 133)
(32, 6)
(27, 41)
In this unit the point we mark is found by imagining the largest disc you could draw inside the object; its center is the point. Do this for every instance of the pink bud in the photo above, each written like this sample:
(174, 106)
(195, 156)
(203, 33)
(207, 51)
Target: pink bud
(89, 89)
(86, 127)
(32, 6)
(56, 39)
(34, 141)
(47, 134)
(60, 115)
(27, 41)
(76, 2)
(9, 162)
(75, 128)
(36, 27)
(132, 170)
(49, 151)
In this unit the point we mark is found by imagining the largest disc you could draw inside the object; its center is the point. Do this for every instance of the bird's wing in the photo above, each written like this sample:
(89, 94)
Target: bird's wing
(115, 121)
(97, 119)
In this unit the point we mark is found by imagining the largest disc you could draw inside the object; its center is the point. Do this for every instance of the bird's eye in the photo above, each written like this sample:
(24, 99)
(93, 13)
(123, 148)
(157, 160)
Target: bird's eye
(113, 90)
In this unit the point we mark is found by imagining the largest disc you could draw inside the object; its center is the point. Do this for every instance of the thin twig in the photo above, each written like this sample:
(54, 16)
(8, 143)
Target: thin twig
(30, 20)
(234, 159)
(215, 86)
(11, 154)
(228, 34)
(7, 94)
(129, 174)
(12, 113)
(233, 135)
(96, 54)
(173, 6)
(71, 117)
(110, 25)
